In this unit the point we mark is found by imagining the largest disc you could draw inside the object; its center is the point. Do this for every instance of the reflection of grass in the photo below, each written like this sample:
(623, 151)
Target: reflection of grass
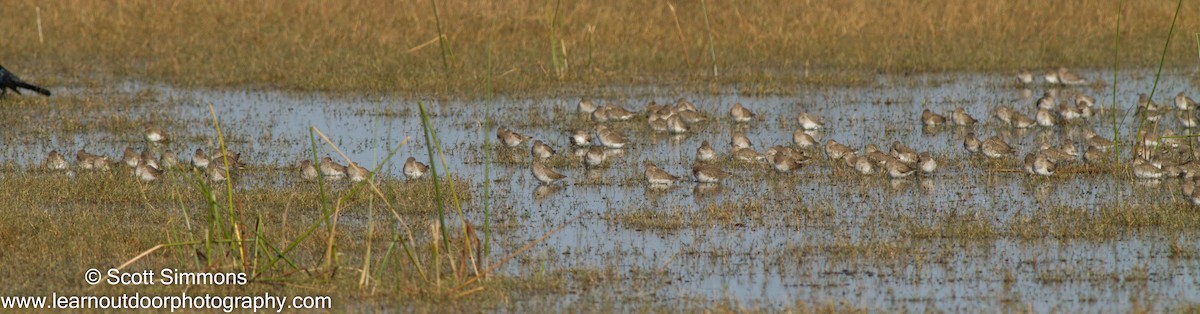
(366, 46)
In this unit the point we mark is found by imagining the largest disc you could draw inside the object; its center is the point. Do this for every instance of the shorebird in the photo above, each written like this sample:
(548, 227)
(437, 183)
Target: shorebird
(169, 160)
(658, 123)
(545, 174)
(155, 134)
(783, 162)
(835, 150)
(657, 176)
(739, 140)
(147, 159)
(928, 118)
(1051, 77)
(1024, 77)
(130, 157)
(927, 164)
(55, 161)
(690, 116)
(1093, 155)
(898, 170)
(217, 173)
(600, 115)
(1097, 141)
(586, 106)
(1038, 164)
(1144, 169)
(307, 171)
(860, 164)
(676, 126)
(357, 173)
(994, 147)
(741, 114)
(960, 117)
(1183, 102)
(541, 150)
(1048, 101)
(803, 140)
(747, 154)
(1045, 118)
(705, 152)
(810, 122)
(709, 173)
(1004, 114)
(510, 138)
(414, 169)
(199, 159)
(1189, 192)
(615, 112)
(581, 138)
(332, 170)
(1069, 78)
(610, 138)
(972, 143)
(904, 153)
(146, 173)
(594, 157)
(1022, 121)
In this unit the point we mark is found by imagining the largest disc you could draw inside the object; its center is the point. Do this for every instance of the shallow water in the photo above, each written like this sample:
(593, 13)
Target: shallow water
(792, 245)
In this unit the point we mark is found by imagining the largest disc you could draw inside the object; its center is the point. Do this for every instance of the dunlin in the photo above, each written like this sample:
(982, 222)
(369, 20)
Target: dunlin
(1189, 192)
(1187, 119)
(594, 157)
(1069, 78)
(659, 124)
(1045, 118)
(739, 140)
(55, 161)
(1004, 114)
(972, 143)
(600, 115)
(960, 117)
(1143, 169)
(510, 138)
(102, 163)
(610, 138)
(684, 105)
(676, 126)
(862, 165)
(541, 150)
(689, 116)
(1038, 164)
(657, 176)
(169, 160)
(652, 108)
(545, 174)
(1097, 141)
(898, 170)
(146, 173)
(1022, 121)
(927, 164)
(199, 159)
(784, 163)
(705, 152)
(230, 159)
(1183, 102)
(357, 173)
(1093, 155)
(709, 173)
(797, 155)
(307, 171)
(741, 114)
(879, 158)
(1024, 77)
(835, 150)
(130, 157)
(803, 140)
(414, 169)
(1048, 101)
(155, 134)
(586, 106)
(1084, 100)
(928, 118)
(1051, 77)
(618, 113)
(904, 153)
(1069, 112)
(809, 121)
(84, 159)
(332, 170)
(994, 147)
(746, 154)
(1145, 104)
(147, 158)
(217, 173)
(581, 138)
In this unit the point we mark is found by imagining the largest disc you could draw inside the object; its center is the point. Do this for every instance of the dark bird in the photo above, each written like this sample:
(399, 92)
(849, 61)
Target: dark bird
(11, 81)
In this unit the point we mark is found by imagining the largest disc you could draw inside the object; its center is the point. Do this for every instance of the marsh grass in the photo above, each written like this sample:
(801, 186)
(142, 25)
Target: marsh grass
(366, 47)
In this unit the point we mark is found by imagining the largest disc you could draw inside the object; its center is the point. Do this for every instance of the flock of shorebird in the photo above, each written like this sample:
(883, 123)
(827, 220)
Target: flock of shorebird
(218, 167)
(1163, 156)
(900, 161)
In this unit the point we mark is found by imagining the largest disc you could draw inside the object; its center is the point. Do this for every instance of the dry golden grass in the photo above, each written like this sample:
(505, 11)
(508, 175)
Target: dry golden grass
(374, 45)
